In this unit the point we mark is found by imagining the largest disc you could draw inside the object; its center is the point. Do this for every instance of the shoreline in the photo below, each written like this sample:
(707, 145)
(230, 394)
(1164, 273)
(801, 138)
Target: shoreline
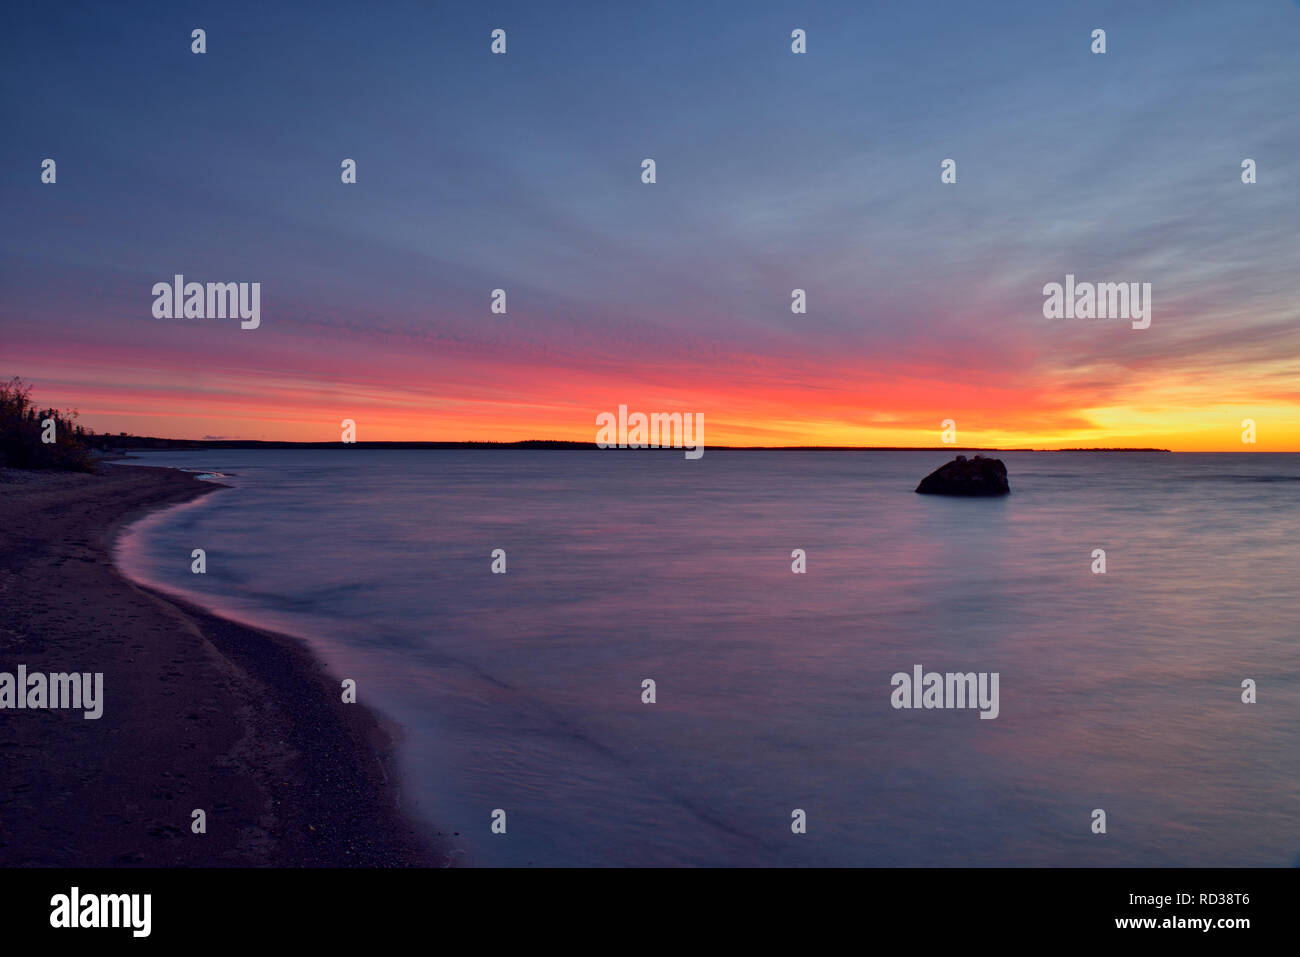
(199, 712)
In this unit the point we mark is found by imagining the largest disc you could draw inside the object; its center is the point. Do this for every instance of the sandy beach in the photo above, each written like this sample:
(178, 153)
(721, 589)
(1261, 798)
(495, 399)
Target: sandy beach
(198, 712)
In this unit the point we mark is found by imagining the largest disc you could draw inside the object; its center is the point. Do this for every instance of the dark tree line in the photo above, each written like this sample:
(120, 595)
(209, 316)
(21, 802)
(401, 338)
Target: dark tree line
(23, 424)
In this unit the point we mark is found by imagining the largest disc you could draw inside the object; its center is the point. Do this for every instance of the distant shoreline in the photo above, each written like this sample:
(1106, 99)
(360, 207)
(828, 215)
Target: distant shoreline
(142, 443)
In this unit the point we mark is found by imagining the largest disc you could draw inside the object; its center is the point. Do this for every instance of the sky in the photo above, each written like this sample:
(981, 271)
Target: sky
(774, 171)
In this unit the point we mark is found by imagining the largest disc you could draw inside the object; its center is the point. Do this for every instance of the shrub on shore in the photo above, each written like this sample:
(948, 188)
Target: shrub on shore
(22, 426)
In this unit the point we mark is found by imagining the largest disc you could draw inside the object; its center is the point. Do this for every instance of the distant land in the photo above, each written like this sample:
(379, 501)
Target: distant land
(123, 442)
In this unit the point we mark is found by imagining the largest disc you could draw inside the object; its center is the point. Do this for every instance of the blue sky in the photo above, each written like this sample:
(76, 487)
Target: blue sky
(775, 171)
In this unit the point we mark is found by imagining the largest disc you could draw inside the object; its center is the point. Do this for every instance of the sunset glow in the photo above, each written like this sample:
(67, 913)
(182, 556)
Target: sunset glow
(925, 300)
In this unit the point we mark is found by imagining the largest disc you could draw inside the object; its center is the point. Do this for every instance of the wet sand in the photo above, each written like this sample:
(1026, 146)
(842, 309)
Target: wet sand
(199, 712)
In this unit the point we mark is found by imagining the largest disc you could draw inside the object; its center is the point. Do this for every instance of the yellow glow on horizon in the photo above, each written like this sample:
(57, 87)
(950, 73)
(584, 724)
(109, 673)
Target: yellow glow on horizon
(1183, 414)
(1216, 430)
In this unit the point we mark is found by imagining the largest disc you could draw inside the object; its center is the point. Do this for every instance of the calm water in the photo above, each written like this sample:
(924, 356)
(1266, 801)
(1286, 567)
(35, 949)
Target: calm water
(523, 691)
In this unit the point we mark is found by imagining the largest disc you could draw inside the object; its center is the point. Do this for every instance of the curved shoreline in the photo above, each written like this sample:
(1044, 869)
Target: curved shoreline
(200, 712)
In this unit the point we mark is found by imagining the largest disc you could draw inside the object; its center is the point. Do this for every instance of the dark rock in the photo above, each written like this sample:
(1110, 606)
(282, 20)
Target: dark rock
(962, 476)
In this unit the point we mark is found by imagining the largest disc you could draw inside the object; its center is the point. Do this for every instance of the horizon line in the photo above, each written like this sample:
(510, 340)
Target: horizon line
(133, 442)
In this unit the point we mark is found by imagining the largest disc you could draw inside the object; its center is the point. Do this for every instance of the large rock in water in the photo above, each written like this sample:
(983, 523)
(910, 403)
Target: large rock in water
(962, 476)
